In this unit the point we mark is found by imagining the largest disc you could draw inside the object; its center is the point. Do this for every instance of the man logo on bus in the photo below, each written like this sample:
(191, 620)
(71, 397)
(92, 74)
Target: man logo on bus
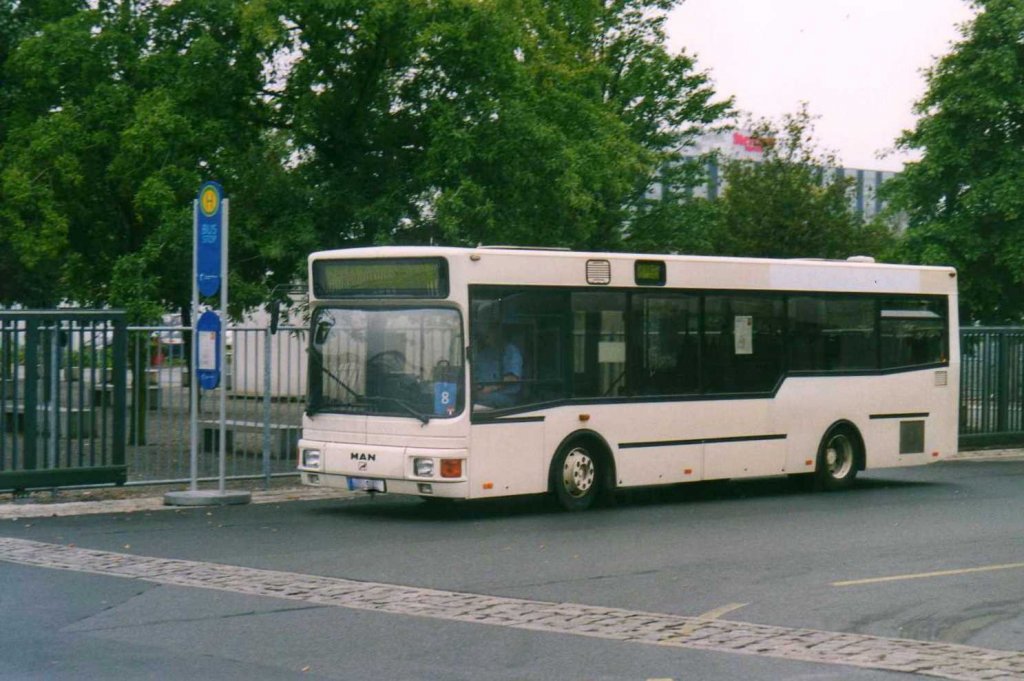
(359, 456)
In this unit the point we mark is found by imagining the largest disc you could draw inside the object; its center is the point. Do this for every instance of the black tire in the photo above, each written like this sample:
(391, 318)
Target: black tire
(839, 457)
(576, 476)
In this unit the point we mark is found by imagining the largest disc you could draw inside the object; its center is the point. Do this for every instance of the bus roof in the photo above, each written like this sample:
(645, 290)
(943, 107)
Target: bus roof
(543, 267)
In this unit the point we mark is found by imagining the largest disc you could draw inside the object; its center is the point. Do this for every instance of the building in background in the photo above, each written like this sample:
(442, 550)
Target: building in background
(738, 145)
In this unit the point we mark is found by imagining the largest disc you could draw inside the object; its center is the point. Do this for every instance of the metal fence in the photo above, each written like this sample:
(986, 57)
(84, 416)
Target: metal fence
(991, 386)
(111, 399)
(62, 398)
(264, 379)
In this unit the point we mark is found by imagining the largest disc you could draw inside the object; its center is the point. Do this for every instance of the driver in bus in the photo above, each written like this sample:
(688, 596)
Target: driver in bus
(497, 368)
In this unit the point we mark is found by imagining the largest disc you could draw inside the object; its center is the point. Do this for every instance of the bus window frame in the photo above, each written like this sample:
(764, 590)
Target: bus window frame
(630, 312)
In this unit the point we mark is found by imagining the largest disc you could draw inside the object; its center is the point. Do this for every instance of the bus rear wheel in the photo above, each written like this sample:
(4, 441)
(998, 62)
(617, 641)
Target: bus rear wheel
(576, 476)
(838, 458)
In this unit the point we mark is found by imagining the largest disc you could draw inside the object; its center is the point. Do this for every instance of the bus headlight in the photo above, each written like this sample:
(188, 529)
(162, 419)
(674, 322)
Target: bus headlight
(311, 458)
(423, 467)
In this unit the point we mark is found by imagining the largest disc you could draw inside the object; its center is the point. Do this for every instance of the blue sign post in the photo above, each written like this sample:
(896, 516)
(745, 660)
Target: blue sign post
(209, 277)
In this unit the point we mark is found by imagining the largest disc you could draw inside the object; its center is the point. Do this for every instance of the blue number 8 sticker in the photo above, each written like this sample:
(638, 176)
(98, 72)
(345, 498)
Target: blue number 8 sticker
(445, 394)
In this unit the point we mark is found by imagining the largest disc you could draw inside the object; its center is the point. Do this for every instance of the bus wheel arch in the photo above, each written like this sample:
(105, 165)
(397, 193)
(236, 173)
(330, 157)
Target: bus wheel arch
(582, 471)
(841, 454)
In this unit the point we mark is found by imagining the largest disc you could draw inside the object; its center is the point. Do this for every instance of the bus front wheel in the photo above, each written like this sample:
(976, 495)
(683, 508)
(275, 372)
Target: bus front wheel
(576, 476)
(838, 458)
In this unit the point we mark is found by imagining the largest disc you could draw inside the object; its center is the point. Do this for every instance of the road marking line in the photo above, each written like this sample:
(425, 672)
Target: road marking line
(925, 575)
(713, 614)
(718, 612)
(942, 660)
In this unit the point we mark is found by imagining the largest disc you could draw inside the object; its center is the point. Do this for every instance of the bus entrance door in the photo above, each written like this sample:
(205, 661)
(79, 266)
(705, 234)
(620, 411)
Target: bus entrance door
(508, 458)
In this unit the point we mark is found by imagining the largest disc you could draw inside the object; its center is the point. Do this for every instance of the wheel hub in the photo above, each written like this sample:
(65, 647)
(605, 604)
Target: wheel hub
(578, 473)
(839, 457)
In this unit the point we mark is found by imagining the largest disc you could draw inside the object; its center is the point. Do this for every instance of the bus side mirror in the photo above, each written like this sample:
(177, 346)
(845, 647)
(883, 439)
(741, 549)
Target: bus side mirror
(275, 317)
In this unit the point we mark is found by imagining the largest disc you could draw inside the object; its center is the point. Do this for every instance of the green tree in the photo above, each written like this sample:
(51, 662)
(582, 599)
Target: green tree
(963, 198)
(27, 258)
(792, 204)
(329, 124)
(463, 121)
(116, 113)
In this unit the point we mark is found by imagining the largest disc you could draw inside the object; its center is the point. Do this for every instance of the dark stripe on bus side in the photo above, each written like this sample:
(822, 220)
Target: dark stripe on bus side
(913, 415)
(700, 441)
(514, 419)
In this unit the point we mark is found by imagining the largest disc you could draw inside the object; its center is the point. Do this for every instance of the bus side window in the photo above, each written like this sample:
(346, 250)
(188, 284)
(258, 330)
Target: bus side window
(599, 344)
(669, 336)
(533, 321)
(743, 342)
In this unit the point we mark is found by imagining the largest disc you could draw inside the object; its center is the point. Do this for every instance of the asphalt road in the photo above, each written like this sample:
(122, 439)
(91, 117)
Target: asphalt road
(933, 554)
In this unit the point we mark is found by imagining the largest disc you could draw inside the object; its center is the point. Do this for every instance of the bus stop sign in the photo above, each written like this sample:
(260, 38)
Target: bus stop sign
(209, 233)
(208, 342)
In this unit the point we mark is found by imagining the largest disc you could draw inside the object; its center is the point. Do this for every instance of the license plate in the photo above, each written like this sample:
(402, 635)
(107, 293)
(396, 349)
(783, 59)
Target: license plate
(366, 485)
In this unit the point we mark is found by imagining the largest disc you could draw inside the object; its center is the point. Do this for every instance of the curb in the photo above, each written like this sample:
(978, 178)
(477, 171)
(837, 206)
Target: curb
(15, 511)
(987, 455)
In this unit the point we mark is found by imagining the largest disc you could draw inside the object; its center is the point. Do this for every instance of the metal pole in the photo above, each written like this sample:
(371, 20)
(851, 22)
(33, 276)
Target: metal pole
(53, 411)
(1003, 383)
(223, 345)
(193, 388)
(266, 408)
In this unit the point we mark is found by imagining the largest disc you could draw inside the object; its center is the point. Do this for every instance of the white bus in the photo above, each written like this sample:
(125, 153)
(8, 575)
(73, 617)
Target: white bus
(451, 373)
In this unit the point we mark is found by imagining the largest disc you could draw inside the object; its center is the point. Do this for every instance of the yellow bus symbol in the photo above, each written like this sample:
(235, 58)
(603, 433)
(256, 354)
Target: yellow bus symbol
(208, 201)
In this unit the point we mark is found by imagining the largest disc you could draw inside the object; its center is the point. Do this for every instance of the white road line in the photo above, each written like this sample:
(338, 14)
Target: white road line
(926, 575)
(940, 660)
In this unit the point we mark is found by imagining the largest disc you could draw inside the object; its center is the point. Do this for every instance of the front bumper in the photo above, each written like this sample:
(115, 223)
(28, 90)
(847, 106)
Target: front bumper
(437, 488)
(359, 467)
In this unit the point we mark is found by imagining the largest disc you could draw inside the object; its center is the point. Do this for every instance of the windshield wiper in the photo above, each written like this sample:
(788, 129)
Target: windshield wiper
(357, 397)
(423, 418)
(329, 374)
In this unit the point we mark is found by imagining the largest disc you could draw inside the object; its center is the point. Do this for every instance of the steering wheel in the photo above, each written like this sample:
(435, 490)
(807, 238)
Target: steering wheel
(391, 361)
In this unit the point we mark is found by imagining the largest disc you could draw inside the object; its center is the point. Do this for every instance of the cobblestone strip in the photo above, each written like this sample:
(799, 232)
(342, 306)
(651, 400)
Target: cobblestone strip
(941, 660)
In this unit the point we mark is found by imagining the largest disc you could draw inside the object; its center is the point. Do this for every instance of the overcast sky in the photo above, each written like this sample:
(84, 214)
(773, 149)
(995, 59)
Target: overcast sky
(857, 63)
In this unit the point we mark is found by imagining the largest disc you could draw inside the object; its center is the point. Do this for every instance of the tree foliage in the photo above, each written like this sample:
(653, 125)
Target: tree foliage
(964, 198)
(793, 203)
(114, 114)
(346, 123)
(462, 121)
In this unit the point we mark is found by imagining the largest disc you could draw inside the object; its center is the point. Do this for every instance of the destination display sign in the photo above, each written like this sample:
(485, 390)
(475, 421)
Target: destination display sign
(381, 278)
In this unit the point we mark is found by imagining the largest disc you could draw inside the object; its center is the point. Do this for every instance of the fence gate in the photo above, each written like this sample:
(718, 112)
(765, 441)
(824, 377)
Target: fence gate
(62, 398)
(991, 386)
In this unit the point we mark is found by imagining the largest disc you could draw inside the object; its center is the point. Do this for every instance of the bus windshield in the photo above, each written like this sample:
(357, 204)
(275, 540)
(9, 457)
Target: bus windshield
(387, 361)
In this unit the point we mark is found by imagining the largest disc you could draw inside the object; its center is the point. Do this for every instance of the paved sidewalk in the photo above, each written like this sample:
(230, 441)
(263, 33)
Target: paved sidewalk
(986, 455)
(30, 508)
(43, 505)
